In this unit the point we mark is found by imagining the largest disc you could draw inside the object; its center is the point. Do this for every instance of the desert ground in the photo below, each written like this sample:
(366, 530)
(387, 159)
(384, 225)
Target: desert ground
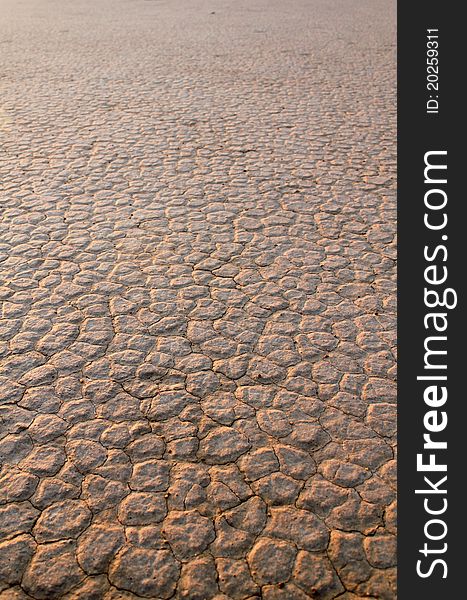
(197, 276)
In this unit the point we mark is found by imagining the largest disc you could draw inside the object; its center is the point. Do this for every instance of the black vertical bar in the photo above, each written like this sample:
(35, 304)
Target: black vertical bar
(421, 132)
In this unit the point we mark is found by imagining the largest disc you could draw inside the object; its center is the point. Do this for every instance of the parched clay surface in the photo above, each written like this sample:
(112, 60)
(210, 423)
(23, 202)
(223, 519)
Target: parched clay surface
(197, 264)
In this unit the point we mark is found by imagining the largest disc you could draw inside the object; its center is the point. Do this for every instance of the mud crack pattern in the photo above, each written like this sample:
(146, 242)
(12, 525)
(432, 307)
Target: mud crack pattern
(197, 264)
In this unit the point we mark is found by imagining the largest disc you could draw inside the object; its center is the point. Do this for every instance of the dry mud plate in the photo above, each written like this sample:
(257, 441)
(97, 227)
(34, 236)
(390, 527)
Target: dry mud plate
(197, 263)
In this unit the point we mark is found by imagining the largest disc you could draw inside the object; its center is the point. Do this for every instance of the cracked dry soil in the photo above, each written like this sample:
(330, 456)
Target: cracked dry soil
(197, 263)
